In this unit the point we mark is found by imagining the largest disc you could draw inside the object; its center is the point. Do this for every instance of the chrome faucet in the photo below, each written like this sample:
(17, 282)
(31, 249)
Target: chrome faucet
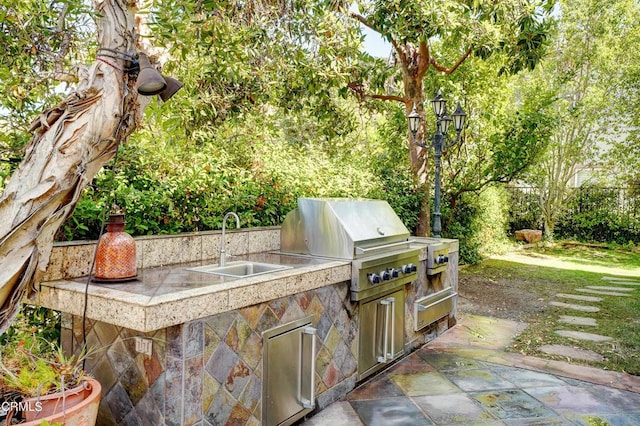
(223, 253)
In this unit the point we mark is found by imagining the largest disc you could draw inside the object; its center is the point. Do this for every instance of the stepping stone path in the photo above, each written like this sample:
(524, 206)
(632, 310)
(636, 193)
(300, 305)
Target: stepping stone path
(579, 297)
(575, 307)
(624, 282)
(604, 293)
(629, 280)
(580, 335)
(578, 320)
(609, 288)
(569, 352)
(616, 289)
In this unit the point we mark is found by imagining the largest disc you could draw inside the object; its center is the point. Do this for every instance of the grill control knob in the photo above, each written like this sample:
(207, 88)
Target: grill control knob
(374, 278)
(409, 268)
(385, 275)
(395, 273)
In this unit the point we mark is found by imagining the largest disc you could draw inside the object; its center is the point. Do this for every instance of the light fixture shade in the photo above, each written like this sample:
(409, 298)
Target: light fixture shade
(414, 120)
(173, 86)
(438, 103)
(150, 82)
(458, 118)
(445, 122)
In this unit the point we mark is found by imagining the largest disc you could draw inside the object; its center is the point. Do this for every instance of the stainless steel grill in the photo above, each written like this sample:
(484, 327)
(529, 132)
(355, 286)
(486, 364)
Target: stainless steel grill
(343, 228)
(367, 232)
(370, 235)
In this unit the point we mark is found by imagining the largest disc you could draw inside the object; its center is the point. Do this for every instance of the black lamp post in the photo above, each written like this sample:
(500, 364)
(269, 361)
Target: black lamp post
(439, 143)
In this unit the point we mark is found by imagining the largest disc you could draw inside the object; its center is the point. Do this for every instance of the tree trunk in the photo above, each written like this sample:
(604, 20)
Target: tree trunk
(418, 156)
(70, 143)
(549, 225)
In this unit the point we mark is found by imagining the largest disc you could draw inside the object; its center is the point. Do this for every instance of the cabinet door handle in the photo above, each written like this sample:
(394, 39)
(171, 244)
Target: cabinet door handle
(392, 311)
(310, 333)
(385, 340)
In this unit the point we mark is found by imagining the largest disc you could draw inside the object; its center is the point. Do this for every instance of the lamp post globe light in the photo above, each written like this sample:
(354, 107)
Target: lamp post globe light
(443, 121)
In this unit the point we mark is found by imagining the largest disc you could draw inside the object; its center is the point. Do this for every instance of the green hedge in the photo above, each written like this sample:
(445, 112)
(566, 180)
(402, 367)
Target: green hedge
(171, 189)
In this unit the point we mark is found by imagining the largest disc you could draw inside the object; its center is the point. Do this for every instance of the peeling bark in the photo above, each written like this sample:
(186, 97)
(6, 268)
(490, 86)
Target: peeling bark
(71, 142)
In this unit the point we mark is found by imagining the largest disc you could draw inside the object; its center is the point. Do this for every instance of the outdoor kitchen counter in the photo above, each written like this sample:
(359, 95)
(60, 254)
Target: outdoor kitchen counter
(171, 295)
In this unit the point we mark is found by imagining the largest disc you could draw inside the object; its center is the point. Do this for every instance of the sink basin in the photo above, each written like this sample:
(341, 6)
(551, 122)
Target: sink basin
(240, 269)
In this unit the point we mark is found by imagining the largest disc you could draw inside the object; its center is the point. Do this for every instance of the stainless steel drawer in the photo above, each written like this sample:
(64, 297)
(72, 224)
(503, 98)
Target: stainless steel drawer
(432, 307)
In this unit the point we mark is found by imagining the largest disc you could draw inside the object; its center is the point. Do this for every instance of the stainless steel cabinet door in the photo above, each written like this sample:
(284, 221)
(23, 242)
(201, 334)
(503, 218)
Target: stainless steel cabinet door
(381, 332)
(288, 374)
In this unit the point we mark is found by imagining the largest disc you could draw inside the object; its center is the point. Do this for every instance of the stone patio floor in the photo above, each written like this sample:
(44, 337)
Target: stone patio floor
(466, 377)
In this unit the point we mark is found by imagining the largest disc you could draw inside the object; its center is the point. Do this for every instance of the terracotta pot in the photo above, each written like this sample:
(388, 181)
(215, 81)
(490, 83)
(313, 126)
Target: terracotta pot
(76, 407)
(116, 253)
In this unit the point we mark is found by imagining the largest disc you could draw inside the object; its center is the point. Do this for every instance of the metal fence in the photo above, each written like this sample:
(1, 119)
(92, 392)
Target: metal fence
(592, 213)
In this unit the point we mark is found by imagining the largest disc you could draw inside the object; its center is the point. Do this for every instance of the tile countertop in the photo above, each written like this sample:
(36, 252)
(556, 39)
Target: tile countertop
(171, 295)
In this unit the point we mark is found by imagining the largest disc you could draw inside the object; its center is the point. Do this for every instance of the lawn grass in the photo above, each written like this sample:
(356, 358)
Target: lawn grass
(546, 271)
(590, 255)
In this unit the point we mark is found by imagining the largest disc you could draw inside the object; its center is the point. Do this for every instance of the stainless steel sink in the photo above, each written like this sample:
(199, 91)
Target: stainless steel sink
(240, 269)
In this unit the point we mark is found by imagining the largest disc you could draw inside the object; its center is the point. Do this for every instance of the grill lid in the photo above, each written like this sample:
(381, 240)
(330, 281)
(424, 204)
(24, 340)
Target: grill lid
(340, 227)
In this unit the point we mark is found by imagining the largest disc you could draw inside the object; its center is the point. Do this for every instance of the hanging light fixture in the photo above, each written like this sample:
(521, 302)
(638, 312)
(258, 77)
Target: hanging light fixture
(150, 82)
(173, 86)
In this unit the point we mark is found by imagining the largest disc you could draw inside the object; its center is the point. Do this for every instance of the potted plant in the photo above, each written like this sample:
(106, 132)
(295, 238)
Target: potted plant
(41, 385)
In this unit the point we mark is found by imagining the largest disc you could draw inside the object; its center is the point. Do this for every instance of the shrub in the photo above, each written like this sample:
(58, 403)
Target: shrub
(599, 214)
(523, 209)
(479, 222)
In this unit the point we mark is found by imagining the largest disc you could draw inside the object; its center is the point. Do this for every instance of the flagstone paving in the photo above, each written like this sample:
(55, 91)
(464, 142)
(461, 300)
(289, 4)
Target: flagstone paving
(464, 377)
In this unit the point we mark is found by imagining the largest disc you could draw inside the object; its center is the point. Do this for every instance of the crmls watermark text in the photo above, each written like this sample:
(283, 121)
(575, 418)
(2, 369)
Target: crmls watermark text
(21, 406)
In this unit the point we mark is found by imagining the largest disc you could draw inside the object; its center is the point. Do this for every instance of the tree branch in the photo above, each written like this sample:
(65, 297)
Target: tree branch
(359, 89)
(389, 98)
(446, 70)
(364, 21)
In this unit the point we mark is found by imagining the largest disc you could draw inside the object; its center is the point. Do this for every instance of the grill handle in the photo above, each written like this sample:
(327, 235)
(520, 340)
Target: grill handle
(388, 305)
(392, 310)
(310, 333)
(401, 244)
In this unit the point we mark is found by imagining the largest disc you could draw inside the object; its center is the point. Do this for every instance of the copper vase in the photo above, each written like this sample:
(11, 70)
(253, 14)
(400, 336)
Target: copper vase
(116, 253)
